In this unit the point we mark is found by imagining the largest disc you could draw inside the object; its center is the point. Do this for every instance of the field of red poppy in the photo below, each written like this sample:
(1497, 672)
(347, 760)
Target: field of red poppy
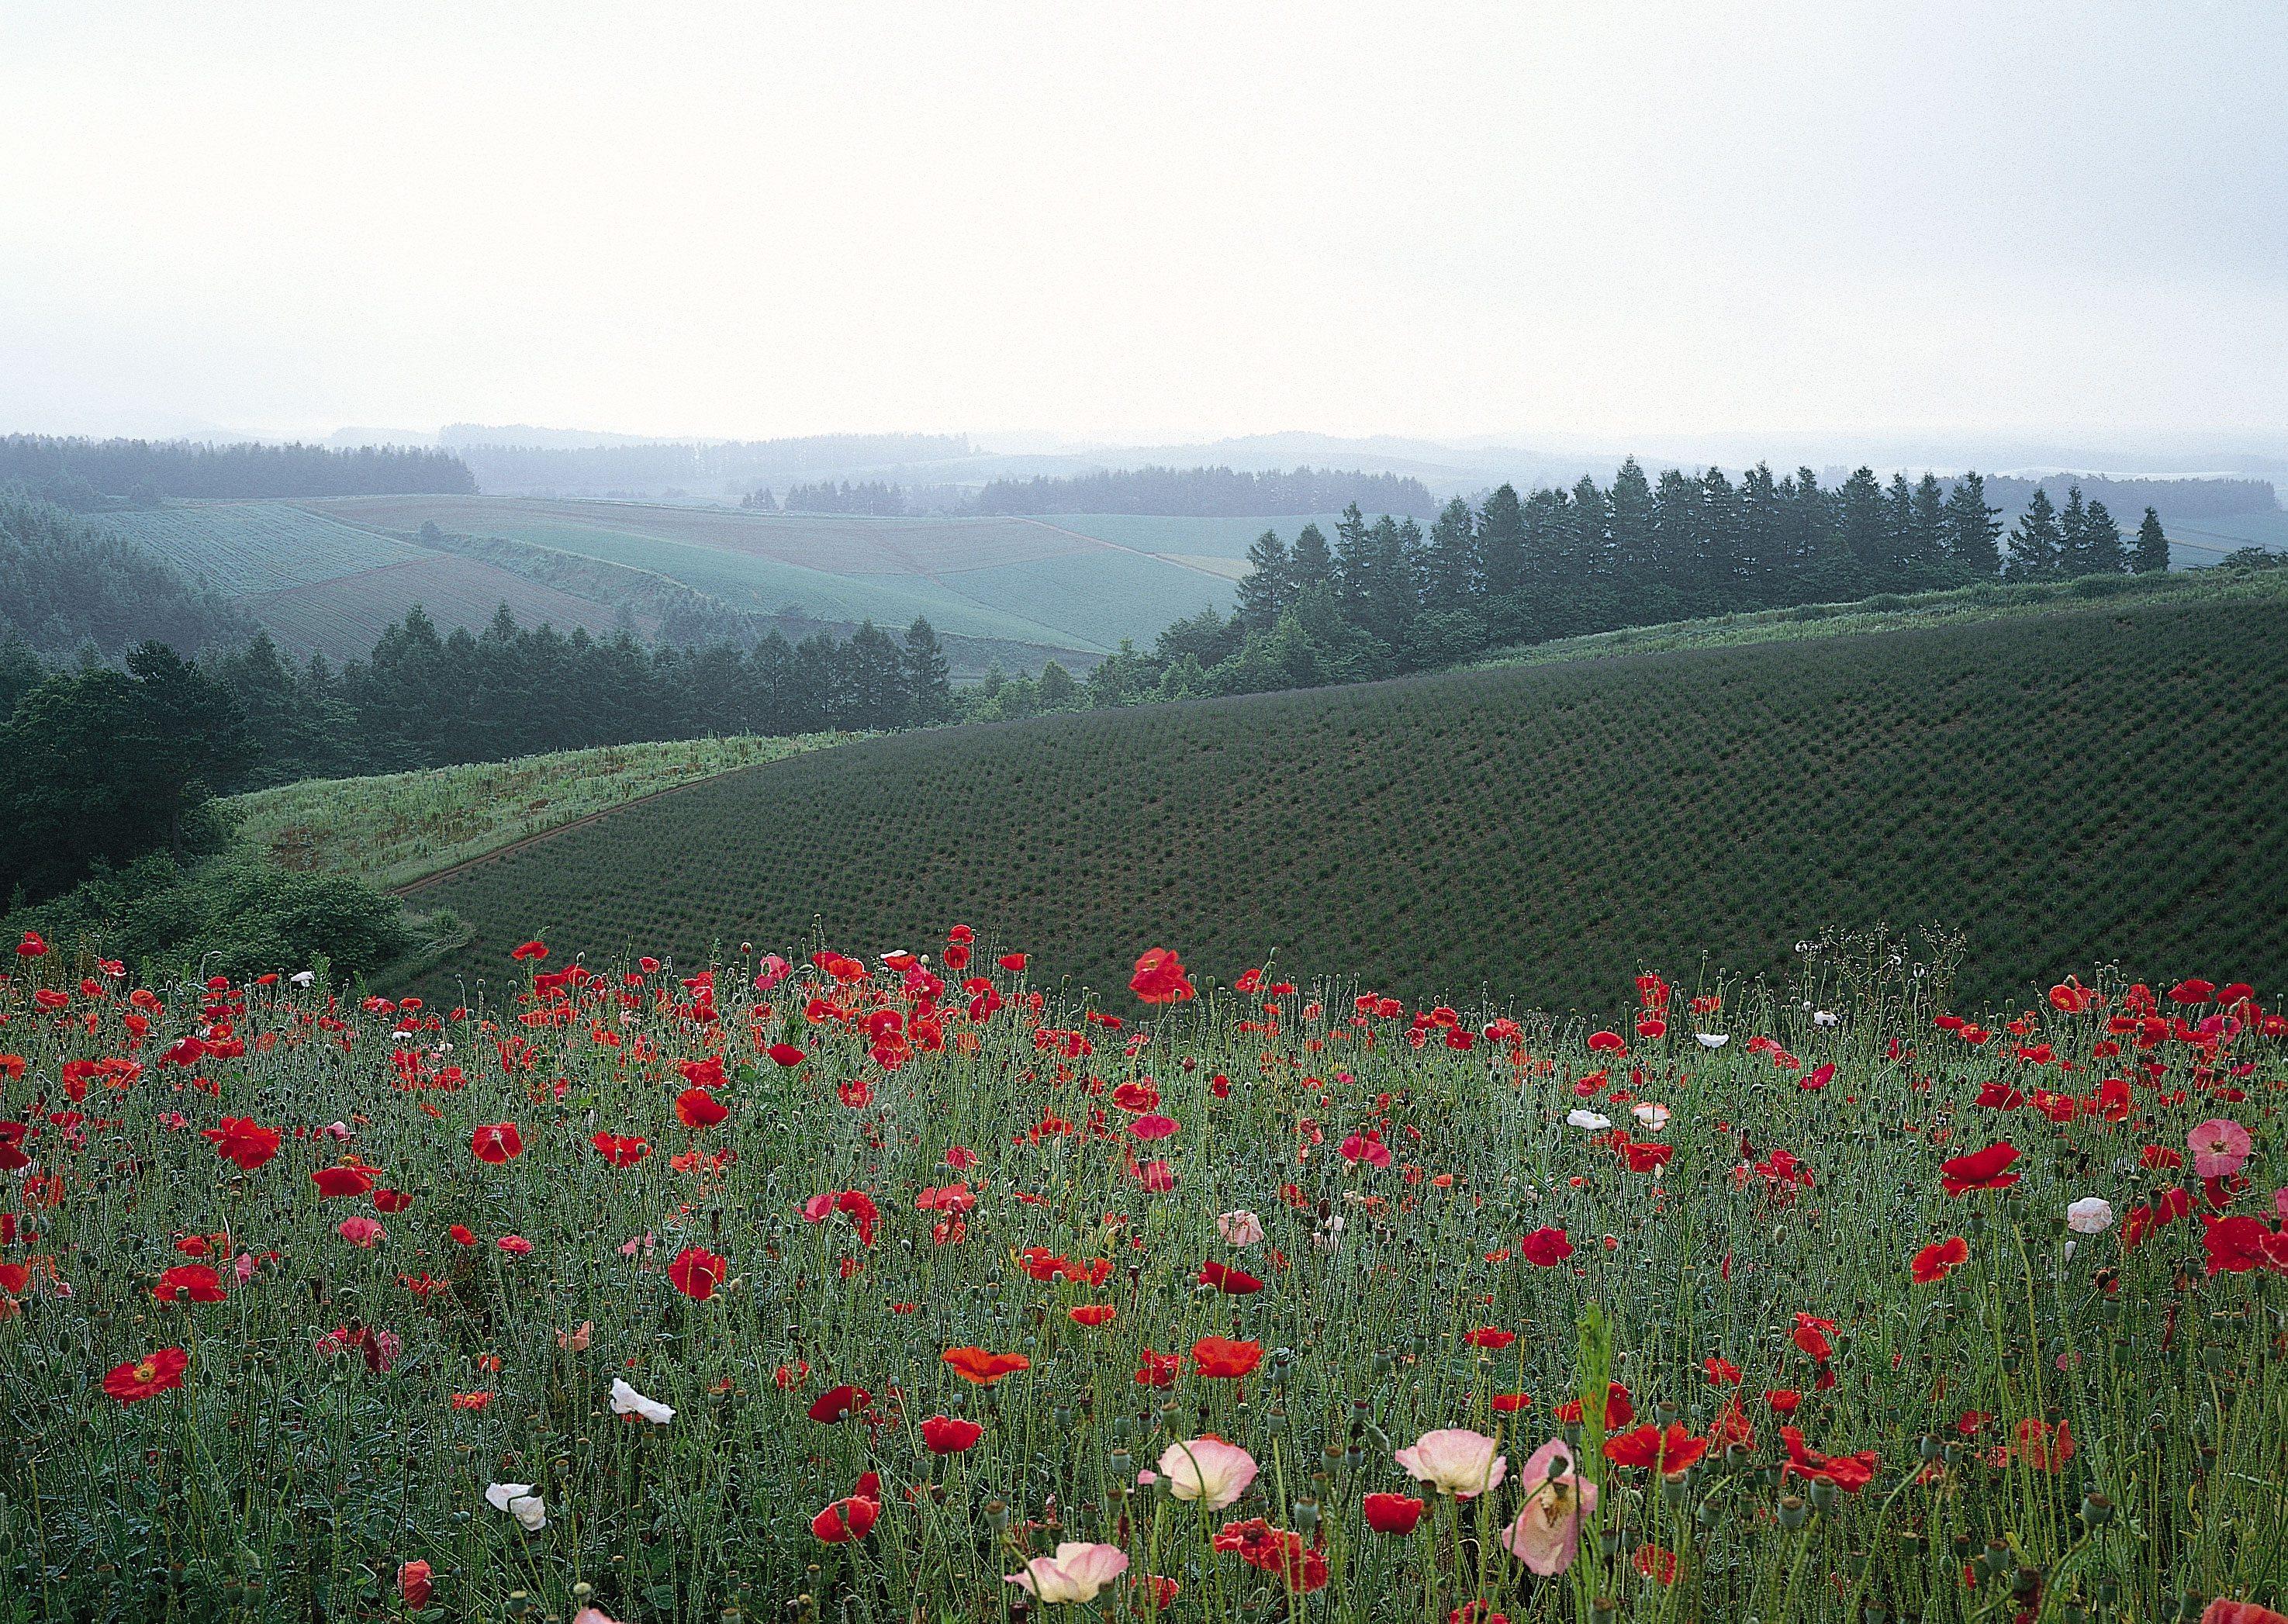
(909, 1288)
(2064, 789)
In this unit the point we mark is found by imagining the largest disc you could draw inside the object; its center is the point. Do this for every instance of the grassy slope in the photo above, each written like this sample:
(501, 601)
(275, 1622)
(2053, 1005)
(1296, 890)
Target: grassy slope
(395, 829)
(2056, 785)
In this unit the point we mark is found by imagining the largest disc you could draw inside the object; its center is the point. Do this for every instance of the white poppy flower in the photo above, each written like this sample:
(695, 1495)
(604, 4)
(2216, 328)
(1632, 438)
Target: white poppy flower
(1589, 1119)
(1655, 1117)
(1711, 1040)
(2093, 1215)
(302, 978)
(1825, 1017)
(519, 1500)
(627, 1401)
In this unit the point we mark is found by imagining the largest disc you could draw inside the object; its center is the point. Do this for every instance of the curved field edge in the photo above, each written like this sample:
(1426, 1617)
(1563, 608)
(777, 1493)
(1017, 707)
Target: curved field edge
(2049, 787)
(395, 830)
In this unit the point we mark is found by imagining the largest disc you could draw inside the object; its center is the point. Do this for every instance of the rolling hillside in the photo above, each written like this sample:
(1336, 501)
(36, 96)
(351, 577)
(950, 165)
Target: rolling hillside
(1043, 583)
(2097, 783)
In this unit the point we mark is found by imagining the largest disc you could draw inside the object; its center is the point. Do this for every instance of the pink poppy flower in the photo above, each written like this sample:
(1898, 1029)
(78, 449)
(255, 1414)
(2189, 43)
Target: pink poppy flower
(2220, 1146)
(1547, 1535)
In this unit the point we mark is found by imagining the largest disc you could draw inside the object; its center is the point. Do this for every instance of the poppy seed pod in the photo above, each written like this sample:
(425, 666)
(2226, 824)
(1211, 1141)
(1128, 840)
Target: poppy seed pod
(1793, 1513)
(1824, 1494)
(997, 1517)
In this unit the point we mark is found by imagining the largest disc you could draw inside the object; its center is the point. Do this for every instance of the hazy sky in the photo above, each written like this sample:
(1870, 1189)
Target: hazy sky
(1144, 222)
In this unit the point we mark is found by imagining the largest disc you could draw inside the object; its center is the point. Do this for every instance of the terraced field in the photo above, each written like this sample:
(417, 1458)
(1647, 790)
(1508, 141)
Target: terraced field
(2102, 782)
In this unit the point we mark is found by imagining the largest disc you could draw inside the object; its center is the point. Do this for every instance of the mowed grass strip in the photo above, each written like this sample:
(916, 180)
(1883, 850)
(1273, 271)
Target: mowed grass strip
(2056, 787)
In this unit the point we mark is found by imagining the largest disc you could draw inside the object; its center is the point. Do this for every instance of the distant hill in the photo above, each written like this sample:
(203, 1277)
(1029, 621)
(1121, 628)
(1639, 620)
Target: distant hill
(2096, 783)
(619, 467)
(1208, 493)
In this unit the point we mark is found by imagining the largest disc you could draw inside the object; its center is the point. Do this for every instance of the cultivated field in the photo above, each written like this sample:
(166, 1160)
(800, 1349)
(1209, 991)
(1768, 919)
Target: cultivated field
(694, 1292)
(2057, 786)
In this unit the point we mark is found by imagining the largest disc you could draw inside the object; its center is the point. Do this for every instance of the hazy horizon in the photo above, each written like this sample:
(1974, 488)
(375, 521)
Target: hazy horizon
(1515, 226)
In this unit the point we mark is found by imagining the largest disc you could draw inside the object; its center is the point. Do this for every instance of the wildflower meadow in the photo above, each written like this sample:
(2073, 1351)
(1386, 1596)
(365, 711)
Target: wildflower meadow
(904, 1287)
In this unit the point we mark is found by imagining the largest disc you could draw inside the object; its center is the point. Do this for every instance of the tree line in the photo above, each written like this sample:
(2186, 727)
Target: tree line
(87, 473)
(65, 581)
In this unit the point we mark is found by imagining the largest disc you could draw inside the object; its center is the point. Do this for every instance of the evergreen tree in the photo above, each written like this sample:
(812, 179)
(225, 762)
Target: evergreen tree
(2101, 543)
(1503, 566)
(1351, 565)
(2036, 543)
(1634, 557)
(929, 680)
(1762, 568)
(2152, 554)
(1452, 569)
(876, 679)
(1923, 556)
(1311, 564)
(1715, 583)
(2073, 537)
(1973, 529)
(1859, 522)
(1265, 591)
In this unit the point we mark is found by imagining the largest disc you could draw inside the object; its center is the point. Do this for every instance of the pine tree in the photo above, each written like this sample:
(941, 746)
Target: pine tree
(1502, 562)
(1861, 527)
(2036, 543)
(1925, 556)
(2101, 543)
(2073, 537)
(928, 676)
(1310, 565)
(1634, 552)
(1452, 569)
(1351, 565)
(1265, 590)
(2152, 552)
(1973, 528)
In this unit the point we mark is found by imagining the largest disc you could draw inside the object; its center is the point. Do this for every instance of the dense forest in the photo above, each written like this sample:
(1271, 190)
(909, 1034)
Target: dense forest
(1209, 492)
(88, 474)
(65, 581)
(740, 463)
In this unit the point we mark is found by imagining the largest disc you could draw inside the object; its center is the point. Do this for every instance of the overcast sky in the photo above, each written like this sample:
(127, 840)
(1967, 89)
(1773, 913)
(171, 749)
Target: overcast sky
(1147, 222)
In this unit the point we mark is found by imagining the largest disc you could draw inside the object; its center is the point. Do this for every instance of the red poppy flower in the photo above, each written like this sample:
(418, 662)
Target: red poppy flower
(2193, 992)
(32, 946)
(1650, 1158)
(1606, 1043)
(980, 1368)
(1014, 962)
(1721, 1372)
(696, 1273)
(619, 1150)
(1673, 1451)
(1999, 1097)
(1391, 1513)
(198, 1279)
(837, 1402)
(1934, 1261)
(154, 1373)
(1092, 1314)
(1851, 1472)
(392, 1201)
(1231, 1282)
(1812, 1340)
(697, 1108)
(244, 1141)
(786, 1055)
(1220, 1358)
(1545, 1248)
(495, 1143)
(1784, 1400)
(1158, 1369)
(530, 950)
(1486, 1337)
(462, 1233)
(1160, 978)
(1276, 1551)
(846, 1520)
(1136, 1096)
(1982, 1170)
(1655, 1564)
(344, 1180)
(1619, 1410)
(947, 1436)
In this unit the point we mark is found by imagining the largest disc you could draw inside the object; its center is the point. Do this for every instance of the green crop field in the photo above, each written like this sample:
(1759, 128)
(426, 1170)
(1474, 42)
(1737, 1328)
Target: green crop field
(247, 548)
(341, 618)
(1185, 537)
(2102, 783)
